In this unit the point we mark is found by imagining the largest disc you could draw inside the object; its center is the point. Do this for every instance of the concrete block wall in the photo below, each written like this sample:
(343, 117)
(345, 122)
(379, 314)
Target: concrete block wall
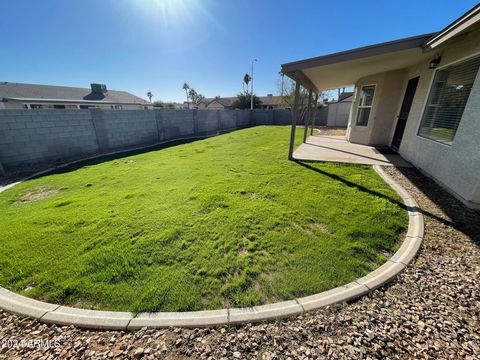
(37, 137)
(244, 118)
(284, 117)
(40, 137)
(175, 124)
(31, 136)
(208, 121)
(228, 120)
(126, 128)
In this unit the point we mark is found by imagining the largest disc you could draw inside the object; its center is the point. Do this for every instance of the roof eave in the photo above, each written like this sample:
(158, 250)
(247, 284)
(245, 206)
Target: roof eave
(358, 53)
(455, 28)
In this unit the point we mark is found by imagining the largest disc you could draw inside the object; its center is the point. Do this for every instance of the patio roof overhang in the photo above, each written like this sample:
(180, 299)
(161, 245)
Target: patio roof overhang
(345, 68)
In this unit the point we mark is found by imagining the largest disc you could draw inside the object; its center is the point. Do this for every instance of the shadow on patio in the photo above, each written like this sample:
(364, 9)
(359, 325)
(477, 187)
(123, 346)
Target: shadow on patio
(338, 149)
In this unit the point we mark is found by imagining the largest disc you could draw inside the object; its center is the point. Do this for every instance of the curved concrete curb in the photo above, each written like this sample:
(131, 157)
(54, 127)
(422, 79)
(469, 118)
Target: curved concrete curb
(112, 320)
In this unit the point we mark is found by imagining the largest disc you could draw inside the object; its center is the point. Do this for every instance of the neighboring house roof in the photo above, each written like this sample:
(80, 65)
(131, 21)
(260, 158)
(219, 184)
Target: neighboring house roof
(47, 93)
(269, 100)
(344, 68)
(225, 101)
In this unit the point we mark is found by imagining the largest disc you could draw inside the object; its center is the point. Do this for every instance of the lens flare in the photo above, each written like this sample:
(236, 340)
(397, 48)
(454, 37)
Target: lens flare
(178, 14)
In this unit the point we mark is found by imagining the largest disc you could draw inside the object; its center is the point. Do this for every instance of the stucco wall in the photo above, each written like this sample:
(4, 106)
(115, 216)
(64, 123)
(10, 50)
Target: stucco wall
(456, 166)
(11, 105)
(388, 90)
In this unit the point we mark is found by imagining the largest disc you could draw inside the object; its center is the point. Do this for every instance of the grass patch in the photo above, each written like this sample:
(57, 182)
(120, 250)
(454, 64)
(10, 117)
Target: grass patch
(225, 221)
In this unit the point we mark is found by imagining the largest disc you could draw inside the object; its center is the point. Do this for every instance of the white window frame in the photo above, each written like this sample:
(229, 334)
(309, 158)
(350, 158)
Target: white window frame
(364, 106)
(417, 133)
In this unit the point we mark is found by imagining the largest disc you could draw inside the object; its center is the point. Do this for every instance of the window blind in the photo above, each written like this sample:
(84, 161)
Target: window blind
(447, 100)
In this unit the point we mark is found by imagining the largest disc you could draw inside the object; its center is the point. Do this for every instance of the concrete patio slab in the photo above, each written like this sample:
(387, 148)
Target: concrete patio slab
(338, 149)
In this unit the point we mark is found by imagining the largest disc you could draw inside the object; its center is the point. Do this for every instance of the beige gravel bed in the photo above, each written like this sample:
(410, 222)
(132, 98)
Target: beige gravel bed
(431, 311)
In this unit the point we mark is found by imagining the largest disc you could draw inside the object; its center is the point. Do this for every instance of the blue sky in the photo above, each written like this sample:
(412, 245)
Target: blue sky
(142, 45)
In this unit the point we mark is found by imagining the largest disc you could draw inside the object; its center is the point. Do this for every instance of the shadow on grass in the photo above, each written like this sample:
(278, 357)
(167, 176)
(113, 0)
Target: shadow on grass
(352, 184)
(98, 159)
(461, 218)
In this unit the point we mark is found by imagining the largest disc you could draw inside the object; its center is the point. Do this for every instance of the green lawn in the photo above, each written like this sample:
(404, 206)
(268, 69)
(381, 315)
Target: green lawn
(225, 221)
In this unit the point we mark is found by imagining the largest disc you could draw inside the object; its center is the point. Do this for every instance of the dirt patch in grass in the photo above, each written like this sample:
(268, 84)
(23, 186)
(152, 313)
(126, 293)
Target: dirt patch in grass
(320, 227)
(37, 195)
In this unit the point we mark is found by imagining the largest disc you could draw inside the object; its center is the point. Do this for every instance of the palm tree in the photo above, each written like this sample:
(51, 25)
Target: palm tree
(150, 95)
(186, 88)
(246, 80)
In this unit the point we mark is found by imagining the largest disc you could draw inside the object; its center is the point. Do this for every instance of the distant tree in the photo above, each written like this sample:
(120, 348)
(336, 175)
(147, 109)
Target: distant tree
(164, 105)
(170, 105)
(286, 87)
(150, 96)
(195, 97)
(186, 88)
(243, 101)
(246, 79)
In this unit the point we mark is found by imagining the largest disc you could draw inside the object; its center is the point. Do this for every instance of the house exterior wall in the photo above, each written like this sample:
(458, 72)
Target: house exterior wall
(455, 166)
(10, 105)
(388, 88)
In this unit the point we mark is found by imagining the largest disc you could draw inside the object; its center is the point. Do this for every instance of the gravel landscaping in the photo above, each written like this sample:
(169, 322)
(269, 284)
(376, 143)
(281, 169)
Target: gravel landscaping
(431, 311)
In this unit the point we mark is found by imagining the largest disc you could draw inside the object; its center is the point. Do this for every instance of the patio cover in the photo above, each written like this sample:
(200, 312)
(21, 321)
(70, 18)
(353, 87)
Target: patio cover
(345, 68)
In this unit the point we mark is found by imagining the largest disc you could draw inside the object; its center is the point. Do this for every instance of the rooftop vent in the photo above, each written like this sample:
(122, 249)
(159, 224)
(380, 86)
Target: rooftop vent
(99, 89)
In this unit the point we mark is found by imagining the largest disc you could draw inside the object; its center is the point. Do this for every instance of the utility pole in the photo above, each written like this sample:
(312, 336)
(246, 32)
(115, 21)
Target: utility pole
(251, 94)
(282, 75)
